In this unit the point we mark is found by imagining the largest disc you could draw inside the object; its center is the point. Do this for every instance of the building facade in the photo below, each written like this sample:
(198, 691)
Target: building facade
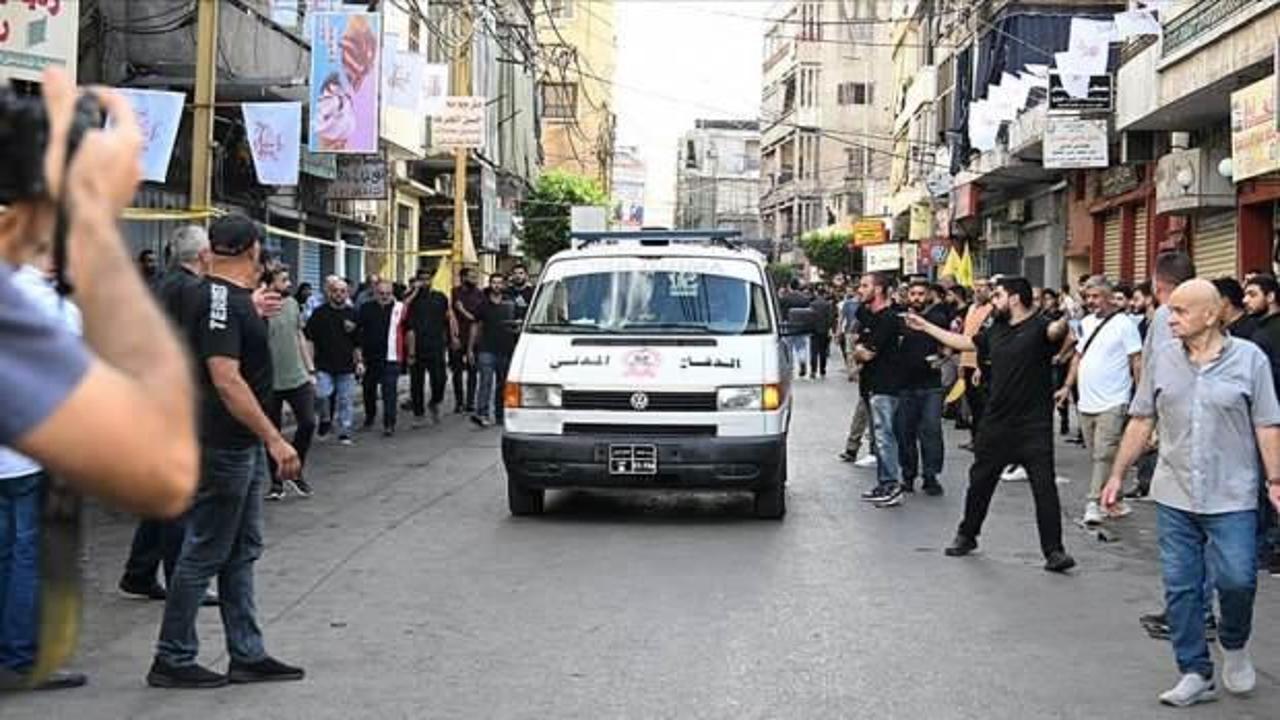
(825, 117)
(718, 178)
(629, 177)
(578, 57)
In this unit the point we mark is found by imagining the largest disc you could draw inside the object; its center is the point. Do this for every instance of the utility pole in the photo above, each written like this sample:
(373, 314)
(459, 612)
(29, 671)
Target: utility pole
(202, 109)
(461, 86)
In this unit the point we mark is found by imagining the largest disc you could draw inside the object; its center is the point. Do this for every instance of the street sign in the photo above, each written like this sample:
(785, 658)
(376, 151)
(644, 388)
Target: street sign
(1100, 98)
(868, 232)
(360, 178)
(461, 124)
(1072, 142)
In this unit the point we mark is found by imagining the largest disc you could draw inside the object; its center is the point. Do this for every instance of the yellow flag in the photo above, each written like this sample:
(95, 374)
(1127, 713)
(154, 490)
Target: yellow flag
(957, 392)
(443, 279)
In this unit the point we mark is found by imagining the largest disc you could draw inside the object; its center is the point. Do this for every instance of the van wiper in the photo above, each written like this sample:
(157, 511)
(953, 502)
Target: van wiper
(694, 326)
(564, 328)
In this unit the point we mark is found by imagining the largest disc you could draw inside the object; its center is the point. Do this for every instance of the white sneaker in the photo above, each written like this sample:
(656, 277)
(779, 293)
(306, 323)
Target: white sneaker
(866, 461)
(1014, 473)
(1120, 509)
(1238, 674)
(1093, 514)
(1191, 689)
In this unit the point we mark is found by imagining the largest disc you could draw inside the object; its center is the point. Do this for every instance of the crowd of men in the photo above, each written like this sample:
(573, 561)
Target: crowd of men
(1173, 379)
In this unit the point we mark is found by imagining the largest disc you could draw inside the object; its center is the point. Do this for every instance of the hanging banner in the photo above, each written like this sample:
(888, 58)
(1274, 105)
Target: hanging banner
(1255, 144)
(461, 124)
(1071, 142)
(403, 78)
(35, 35)
(274, 130)
(1136, 23)
(1096, 95)
(1090, 43)
(159, 114)
(345, 72)
(360, 178)
(435, 88)
(921, 225)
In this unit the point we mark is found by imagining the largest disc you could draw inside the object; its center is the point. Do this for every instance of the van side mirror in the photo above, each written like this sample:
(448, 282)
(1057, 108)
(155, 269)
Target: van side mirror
(800, 321)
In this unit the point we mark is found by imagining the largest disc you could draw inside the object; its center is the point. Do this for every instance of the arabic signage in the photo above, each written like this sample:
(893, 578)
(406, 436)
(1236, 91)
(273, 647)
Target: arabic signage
(35, 34)
(360, 178)
(1197, 22)
(1100, 97)
(1255, 144)
(1117, 180)
(321, 165)
(461, 124)
(345, 77)
(1072, 142)
(869, 232)
(882, 258)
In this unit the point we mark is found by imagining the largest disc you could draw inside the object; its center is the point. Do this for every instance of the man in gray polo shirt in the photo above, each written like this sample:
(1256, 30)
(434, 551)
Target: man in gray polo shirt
(1213, 401)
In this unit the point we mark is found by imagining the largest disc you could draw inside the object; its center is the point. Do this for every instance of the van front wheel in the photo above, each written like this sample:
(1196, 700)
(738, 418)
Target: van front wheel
(771, 502)
(523, 501)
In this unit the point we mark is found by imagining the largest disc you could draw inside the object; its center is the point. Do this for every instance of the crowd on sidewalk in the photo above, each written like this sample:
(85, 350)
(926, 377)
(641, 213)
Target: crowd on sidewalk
(1173, 389)
(259, 344)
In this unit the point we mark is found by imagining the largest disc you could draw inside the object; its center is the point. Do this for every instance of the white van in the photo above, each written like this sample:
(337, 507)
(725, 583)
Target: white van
(650, 360)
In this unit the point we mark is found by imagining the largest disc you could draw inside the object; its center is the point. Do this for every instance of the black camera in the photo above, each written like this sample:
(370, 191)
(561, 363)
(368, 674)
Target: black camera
(24, 135)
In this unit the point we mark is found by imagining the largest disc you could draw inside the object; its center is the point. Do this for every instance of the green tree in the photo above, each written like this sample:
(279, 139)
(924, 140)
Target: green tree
(781, 273)
(826, 250)
(546, 211)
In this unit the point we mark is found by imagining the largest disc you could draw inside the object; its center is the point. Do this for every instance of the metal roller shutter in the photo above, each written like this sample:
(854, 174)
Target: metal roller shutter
(1111, 245)
(309, 264)
(1140, 245)
(1213, 248)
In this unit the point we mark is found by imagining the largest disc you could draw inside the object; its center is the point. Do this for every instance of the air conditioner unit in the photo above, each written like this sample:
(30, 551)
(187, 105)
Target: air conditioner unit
(1017, 211)
(1138, 146)
(1188, 181)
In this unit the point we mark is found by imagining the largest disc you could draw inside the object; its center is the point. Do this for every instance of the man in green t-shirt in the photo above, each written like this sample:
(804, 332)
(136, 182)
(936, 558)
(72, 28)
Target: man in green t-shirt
(293, 378)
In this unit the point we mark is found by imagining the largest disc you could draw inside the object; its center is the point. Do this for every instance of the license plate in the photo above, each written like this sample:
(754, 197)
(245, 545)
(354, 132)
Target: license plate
(633, 460)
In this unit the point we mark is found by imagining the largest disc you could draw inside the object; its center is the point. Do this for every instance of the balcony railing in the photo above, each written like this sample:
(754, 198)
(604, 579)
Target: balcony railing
(1202, 18)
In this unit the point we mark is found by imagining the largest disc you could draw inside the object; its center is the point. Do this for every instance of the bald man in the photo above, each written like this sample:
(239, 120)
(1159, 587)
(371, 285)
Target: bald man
(1212, 399)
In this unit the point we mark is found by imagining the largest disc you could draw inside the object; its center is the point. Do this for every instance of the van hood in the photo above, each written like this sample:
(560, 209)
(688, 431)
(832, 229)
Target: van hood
(655, 363)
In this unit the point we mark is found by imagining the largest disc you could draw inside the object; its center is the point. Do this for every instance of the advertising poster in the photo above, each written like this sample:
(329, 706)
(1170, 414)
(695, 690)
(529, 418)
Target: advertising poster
(345, 79)
(35, 35)
(461, 125)
(1255, 144)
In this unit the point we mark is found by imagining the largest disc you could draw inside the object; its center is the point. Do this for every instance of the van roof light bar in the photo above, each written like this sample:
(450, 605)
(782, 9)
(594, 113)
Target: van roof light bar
(721, 238)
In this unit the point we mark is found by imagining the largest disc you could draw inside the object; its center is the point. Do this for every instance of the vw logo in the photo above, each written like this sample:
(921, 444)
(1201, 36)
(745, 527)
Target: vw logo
(639, 401)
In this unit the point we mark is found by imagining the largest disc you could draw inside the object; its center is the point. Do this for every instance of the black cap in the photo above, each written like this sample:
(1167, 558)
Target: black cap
(233, 234)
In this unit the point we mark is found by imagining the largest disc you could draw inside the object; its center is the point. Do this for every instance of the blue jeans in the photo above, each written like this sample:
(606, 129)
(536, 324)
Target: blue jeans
(1224, 545)
(224, 539)
(883, 410)
(345, 386)
(493, 375)
(919, 431)
(19, 571)
(799, 345)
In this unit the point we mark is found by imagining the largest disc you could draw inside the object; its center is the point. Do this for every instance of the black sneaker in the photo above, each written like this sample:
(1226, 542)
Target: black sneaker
(892, 497)
(301, 487)
(909, 487)
(1059, 561)
(847, 456)
(186, 677)
(323, 430)
(388, 431)
(150, 591)
(1273, 564)
(962, 545)
(63, 680)
(876, 494)
(268, 669)
(932, 489)
(276, 493)
(1156, 625)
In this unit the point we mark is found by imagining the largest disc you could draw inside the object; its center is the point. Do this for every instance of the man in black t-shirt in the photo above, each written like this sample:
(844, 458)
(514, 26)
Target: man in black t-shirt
(1017, 425)
(919, 426)
(879, 352)
(492, 343)
(336, 349)
(225, 533)
(432, 332)
(519, 291)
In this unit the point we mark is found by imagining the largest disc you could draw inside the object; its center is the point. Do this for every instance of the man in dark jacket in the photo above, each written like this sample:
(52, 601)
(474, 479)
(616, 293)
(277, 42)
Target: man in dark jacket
(381, 372)
(820, 338)
(432, 331)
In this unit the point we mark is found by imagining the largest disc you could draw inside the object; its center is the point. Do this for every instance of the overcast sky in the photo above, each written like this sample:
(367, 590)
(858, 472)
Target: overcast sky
(680, 60)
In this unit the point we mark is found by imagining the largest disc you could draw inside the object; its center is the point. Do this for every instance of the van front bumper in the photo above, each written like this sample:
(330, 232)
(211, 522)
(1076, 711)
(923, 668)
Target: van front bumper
(684, 463)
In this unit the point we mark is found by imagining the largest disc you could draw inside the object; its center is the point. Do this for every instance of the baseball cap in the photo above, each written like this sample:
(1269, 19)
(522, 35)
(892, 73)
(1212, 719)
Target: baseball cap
(233, 234)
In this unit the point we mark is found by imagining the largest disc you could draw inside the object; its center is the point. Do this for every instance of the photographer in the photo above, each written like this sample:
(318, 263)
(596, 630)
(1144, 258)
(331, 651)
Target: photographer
(64, 399)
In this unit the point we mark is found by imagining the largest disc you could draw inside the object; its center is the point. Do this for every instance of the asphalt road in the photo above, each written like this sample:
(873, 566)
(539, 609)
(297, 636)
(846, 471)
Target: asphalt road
(406, 590)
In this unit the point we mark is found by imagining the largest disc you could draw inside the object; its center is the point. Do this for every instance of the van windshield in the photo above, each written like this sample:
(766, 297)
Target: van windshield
(650, 301)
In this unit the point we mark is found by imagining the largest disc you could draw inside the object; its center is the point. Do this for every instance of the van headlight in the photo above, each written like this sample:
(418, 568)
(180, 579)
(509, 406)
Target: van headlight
(749, 397)
(739, 398)
(534, 396)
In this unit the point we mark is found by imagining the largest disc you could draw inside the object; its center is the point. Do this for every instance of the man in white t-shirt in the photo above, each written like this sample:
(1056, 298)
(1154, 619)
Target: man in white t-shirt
(1106, 366)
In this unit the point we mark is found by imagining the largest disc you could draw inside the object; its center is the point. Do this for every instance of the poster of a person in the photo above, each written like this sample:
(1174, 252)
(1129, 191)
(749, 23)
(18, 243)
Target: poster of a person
(345, 79)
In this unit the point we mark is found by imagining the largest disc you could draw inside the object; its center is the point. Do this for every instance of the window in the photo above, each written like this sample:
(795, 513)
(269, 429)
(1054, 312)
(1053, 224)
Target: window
(853, 93)
(560, 9)
(559, 101)
(856, 158)
(415, 33)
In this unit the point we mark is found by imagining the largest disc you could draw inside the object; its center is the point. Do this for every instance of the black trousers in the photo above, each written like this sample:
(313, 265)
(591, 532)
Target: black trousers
(429, 364)
(155, 542)
(976, 397)
(819, 352)
(302, 402)
(1033, 450)
(464, 380)
(380, 376)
